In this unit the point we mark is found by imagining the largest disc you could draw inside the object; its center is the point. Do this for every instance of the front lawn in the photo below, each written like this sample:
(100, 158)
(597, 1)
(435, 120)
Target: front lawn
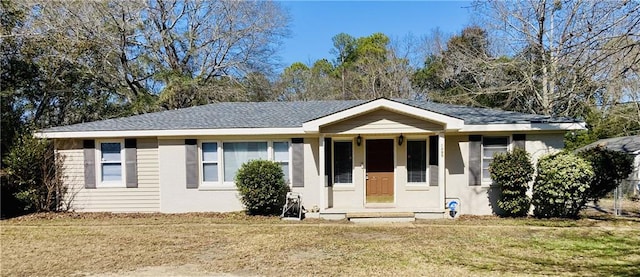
(234, 244)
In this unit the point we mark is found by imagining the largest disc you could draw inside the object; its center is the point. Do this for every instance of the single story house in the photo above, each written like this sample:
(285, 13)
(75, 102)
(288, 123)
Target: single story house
(342, 156)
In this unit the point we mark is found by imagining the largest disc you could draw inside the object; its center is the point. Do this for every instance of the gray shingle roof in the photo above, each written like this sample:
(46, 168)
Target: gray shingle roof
(630, 144)
(283, 115)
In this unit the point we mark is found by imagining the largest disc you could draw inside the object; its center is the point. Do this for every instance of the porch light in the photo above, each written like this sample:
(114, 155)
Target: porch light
(400, 139)
(359, 140)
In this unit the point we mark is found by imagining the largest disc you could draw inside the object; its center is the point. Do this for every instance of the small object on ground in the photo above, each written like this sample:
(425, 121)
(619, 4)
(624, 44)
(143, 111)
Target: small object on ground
(292, 209)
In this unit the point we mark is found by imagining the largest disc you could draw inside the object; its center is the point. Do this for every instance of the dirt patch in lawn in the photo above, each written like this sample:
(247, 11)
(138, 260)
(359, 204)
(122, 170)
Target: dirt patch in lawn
(163, 270)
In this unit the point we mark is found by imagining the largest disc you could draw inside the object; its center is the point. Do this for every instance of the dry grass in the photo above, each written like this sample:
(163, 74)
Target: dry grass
(234, 244)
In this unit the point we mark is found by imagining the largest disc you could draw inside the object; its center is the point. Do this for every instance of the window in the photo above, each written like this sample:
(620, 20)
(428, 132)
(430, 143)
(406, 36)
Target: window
(281, 156)
(110, 164)
(237, 153)
(343, 162)
(491, 146)
(210, 161)
(416, 161)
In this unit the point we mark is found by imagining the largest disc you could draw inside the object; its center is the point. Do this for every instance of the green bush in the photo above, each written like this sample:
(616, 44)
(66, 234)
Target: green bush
(561, 185)
(512, 172)
(610, 168)
(33, 180)
(262, 187)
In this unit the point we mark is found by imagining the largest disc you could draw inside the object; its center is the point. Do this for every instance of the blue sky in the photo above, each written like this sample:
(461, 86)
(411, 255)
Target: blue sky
(314, 23)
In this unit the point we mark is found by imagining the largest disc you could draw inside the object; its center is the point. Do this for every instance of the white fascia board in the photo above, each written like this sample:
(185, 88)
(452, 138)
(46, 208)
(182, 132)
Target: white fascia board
(450, 123)
(168, 133)
(525, 127)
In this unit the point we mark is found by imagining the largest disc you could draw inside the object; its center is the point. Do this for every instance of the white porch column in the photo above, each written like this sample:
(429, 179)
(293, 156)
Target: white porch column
(322, 182)
(441, 170)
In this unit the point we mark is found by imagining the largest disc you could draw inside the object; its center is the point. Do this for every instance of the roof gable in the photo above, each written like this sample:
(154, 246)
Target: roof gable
(449, 123)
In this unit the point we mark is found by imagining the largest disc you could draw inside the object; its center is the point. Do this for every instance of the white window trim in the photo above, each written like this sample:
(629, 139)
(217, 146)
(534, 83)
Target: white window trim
(406, 152)
(222, 176)
(333, 163)
(221, 184)
(289, 157)
(209, 184)
(98, 162)
(488, 182)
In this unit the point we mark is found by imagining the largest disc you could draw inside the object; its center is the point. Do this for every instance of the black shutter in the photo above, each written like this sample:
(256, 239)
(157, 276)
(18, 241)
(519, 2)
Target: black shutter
(89, 147)
(519, 141)
(297, 148)
(475, 160)
(434, 153)
(191, 158)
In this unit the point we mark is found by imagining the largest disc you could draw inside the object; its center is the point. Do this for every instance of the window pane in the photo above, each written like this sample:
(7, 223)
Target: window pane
(237, 153)
(285, 170)
(485, 174)
(110, 151)
(417, 161)
(281, 151)
(210, 152)
(489, 152)
(112, 172)
(210, 172)
(491, 146)
(495, 141)
(343, 164)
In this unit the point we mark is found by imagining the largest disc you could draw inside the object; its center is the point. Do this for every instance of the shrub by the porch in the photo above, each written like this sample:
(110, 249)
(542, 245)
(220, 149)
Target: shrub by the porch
(610, 168)
(512, 172)
(560, 188)
(261, 186)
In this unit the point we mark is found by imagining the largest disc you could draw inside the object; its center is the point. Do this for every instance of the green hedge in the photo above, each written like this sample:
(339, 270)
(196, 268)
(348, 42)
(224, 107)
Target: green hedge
(512, 172)
(610, 168)
(560, 188)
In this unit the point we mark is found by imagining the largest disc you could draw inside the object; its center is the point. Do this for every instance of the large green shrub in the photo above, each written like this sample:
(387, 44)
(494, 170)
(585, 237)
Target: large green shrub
(33, 177)
(262, 187)
(610, 168)
(512, 172)
(560, 188)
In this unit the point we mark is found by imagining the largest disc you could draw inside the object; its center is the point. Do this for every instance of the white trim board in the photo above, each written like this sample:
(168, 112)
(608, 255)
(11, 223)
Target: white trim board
(170, 133)
(518, 127)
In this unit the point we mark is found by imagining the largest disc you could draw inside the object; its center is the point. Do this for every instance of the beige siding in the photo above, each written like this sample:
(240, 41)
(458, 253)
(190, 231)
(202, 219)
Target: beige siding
(351, 195)
(311, 190)
(176, 198)
(144, 198)
(480, 200)
(420, 197)
(381, 121)
(539, 145)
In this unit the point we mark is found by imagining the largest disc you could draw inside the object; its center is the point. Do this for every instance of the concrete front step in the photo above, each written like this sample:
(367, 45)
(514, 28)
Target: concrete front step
(377, 214)
(379, 217)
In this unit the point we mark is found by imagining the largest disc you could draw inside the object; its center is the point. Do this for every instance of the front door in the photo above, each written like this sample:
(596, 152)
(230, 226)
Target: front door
(379, 159)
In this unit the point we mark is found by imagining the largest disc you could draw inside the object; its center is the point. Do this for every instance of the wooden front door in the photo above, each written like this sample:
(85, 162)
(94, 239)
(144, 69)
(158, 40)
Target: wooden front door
(379, 155)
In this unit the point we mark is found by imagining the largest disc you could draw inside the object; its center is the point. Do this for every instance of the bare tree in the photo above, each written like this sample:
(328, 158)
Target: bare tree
(140, 48)
(566, 48)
